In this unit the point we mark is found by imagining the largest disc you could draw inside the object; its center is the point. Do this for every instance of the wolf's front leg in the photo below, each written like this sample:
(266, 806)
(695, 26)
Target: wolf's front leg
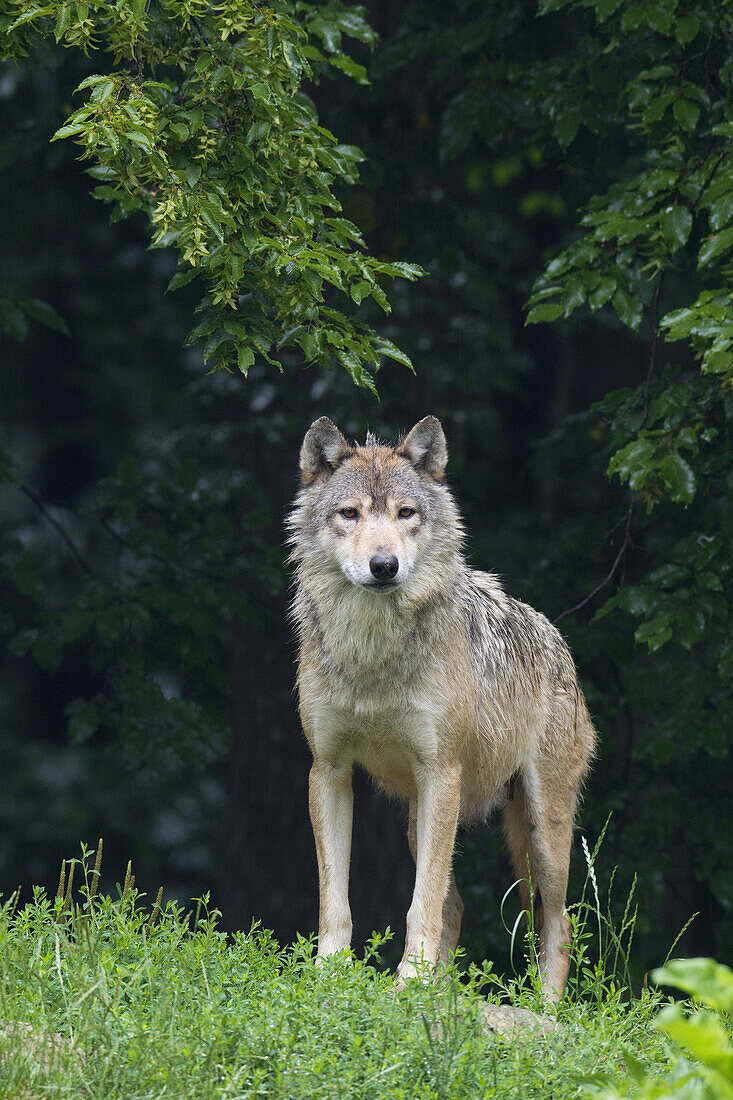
(438, 800)
(331, 803)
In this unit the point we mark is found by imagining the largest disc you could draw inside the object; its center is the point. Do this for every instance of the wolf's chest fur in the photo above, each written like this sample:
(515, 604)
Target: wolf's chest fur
(368, 672)
(371, 650)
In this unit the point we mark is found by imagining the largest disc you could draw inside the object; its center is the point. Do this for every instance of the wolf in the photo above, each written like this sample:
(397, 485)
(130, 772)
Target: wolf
(451, 694)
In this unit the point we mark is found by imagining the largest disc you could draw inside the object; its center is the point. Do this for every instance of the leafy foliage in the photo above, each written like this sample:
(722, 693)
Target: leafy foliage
(157, 568)
(705, 1035)
(16, 313)
(667, 219)
(205, 126)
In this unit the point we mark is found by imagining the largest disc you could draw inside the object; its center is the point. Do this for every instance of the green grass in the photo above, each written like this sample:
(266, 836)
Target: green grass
(110, 998)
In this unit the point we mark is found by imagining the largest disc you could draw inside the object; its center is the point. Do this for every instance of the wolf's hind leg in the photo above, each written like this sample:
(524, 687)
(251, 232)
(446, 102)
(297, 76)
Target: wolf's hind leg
(453, 907)
(516, 830)
(539, 828)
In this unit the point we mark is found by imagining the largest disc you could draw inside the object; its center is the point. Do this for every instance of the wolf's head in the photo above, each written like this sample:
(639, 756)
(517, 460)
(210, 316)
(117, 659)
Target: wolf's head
(379, 516)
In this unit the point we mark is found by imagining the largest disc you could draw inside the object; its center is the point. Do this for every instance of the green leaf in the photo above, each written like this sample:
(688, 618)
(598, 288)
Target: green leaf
(690, 625)
(405, 271)
(714, 245)
(638, 599)
(687, 113)
(656, 633)
(678, 478)
(602, 293)
(707, 980)
(633, 463)
(84, 719)
(545, 311)
(311, 345)
(566, 125)
(629, 309)
(658, 18)
(351, 68)
(352, 22)
(721, 211)
(686, 28)
(139, 138)
(210, 215)
(606, 8)
(703, 1034)
(675, 223)
(193, 173)
(45, 314)
(63, 21)
(245, 358)
(386, 347)
(360, 291)
(70, 130)
(182, 278)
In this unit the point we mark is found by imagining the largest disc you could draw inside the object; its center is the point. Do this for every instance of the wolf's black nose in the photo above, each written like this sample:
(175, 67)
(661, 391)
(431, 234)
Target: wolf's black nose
(384, 566)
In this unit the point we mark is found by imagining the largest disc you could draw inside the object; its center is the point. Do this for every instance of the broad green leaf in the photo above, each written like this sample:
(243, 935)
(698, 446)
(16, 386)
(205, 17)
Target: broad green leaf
(70, 130)
(245, 359)
(141, 139)
(705, 979)
(606, 8)
(638, 599)
(63, 21)
(566, 125)
(714, 246)
(182, 278)
(686, 28)
(45, 314)
(602, 293)
(678, 478)
(690, 625)
(386, 347)
(545, 311)
(703, 1034)
(658, 18)
(629, 309)
(84, 719)
(721, 211)
(675, 223)
(687, 113)
(360, 291)
(656, 633)
(351, 68)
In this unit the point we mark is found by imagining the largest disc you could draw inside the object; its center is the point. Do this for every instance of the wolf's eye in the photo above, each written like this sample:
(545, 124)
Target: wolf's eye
(349, 513)
(405, 513)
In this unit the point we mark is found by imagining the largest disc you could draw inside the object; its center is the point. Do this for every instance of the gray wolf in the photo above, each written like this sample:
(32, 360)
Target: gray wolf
(450, 693)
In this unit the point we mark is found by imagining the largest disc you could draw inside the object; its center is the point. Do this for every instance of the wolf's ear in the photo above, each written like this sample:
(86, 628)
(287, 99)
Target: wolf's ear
(324, 448)
(425, 447)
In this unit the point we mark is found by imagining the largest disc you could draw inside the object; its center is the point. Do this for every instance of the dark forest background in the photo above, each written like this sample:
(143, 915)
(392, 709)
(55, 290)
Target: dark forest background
(147, 670)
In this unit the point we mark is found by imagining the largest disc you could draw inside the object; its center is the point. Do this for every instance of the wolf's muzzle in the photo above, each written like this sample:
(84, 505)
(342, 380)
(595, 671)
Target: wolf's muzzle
(383, 567)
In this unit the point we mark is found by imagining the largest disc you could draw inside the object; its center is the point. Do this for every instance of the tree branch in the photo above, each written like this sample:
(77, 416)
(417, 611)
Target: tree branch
(73, 549)
(625, 544)
(627, 541)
